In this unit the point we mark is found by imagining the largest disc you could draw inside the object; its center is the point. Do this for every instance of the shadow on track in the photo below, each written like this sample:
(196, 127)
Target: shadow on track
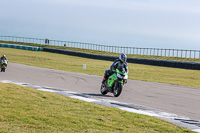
(92, 95)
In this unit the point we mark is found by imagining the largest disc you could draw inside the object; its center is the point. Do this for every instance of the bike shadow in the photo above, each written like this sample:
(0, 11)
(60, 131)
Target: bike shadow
(96, 95)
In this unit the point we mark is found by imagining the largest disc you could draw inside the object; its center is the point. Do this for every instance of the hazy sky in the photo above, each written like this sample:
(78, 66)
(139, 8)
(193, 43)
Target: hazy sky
(137, 23)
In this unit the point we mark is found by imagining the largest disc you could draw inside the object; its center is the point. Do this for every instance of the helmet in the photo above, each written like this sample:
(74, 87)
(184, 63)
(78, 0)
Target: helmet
(123, 57)
(4, 56)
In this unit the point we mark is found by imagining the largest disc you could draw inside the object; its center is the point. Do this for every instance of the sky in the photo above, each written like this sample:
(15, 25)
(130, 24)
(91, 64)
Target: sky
(135, 23)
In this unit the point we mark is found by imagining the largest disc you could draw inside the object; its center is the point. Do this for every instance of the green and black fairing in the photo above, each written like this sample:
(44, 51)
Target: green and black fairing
(116, 81)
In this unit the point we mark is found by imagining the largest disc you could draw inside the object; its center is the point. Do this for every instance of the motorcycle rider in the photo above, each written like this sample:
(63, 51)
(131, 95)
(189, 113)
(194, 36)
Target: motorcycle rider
(4, 58)
(121, 61)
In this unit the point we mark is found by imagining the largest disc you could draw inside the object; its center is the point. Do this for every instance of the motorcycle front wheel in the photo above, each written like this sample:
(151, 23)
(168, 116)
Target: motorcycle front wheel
(103, 90)
(117, 89)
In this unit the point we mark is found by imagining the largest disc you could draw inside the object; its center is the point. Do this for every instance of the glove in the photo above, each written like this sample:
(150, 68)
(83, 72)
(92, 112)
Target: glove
(125, 81)
(113, 71)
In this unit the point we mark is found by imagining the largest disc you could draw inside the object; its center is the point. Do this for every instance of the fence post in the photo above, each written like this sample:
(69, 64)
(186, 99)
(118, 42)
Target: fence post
(169, 52)
(143, 51)
(177, 52)
(157, 51)
(133, 50)
(185, 53)
(140, 50)
(181, 53)
(199, 54)
(150, 51)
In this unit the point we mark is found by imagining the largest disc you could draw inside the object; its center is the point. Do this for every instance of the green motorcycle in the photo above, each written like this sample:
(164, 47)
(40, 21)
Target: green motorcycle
(115, 82)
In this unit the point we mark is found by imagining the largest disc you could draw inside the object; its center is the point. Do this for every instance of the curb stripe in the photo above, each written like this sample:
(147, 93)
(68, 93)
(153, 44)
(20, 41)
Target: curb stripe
(24, 47)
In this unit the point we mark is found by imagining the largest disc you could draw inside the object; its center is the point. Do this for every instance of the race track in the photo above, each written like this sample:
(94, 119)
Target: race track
(180, 100)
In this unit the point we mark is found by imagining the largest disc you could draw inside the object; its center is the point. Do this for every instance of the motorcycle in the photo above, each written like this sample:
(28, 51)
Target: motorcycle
(115, 82)
(3, 65)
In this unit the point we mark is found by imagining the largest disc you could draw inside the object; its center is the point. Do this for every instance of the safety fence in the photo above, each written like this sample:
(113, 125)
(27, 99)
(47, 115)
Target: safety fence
(115, 49)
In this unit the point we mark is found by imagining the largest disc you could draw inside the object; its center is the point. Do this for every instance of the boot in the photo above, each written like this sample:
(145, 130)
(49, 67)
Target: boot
(104, 79)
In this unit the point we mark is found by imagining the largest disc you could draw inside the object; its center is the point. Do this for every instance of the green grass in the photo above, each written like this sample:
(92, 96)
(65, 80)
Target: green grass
(105, 53)
(97, 67)
(24, 109)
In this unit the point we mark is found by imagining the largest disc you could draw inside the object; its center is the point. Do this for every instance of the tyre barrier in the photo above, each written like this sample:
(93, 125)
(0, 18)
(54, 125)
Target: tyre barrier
(24, 47)
(166, 63)
(154, 62)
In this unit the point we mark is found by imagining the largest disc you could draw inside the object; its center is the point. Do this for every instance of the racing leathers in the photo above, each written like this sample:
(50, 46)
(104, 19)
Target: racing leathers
(3, 58)
(113, 67)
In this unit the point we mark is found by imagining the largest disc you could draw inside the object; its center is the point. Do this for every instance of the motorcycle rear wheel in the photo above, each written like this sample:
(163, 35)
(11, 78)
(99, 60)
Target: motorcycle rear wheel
(117, 89)
(103, 90)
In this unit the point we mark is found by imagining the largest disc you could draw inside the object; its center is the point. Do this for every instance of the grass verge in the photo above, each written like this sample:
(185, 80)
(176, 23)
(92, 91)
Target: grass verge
(104, 52)
(97, 67)
(24, 109)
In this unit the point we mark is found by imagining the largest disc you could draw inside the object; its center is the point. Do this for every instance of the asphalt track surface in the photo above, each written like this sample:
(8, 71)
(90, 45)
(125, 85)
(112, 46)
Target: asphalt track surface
(180, 100)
